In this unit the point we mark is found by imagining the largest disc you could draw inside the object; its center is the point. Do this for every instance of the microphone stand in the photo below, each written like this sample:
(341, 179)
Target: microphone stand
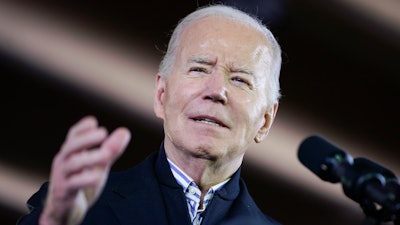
(374, 187)
(387, 210)
(377, 191)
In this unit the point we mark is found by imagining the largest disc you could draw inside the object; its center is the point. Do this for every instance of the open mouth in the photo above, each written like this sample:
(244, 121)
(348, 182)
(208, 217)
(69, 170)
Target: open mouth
(210, 121)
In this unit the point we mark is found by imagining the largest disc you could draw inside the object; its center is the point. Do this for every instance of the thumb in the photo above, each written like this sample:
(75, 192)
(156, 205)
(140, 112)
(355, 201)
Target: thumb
(117, 142)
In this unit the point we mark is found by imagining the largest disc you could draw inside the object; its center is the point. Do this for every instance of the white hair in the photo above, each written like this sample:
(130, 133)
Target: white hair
(273, 92)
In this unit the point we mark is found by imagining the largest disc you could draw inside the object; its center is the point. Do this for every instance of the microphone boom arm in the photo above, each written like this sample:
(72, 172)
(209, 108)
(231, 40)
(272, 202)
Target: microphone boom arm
(374, 187)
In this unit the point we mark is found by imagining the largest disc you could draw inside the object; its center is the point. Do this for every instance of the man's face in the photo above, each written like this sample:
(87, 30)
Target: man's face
(214, 101)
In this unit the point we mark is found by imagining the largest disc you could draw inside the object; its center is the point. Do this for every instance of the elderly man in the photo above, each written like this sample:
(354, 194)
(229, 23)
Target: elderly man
(217, 92)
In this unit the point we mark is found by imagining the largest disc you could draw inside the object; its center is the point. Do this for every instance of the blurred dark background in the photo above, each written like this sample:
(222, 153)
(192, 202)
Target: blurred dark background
(339, 66)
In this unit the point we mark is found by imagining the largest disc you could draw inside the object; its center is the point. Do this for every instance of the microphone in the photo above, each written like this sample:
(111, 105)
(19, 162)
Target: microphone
(327, 161)
(366, 182)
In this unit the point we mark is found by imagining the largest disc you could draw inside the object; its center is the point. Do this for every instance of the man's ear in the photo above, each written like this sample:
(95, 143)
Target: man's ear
(268, 120)
(159, 96)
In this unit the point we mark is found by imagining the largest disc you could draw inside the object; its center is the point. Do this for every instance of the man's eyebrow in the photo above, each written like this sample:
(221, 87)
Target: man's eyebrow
(209, 62)
(201, 60)
(240, 69)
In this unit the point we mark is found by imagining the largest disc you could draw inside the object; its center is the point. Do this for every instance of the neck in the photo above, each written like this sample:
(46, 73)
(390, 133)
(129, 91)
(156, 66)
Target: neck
(205, 172)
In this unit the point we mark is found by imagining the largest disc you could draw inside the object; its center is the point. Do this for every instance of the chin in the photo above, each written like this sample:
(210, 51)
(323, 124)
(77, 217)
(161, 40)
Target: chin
(207, 151)
(199, 146)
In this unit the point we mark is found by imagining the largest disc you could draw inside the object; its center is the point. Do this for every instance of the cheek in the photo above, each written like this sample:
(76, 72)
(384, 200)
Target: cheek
(251, 114)
(249, 106)
(175, 99)
(169, 105)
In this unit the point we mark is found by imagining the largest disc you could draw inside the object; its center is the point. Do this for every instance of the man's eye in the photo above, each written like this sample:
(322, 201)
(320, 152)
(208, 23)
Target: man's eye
(240, 80)
(198, 69)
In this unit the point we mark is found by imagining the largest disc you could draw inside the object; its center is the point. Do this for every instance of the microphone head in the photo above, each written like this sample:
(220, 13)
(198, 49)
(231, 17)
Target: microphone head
(322, 157)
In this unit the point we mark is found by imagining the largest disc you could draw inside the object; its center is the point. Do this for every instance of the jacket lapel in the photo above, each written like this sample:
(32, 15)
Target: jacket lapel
(223, 201)
(138, 199)
(149, 194)
(172, 192)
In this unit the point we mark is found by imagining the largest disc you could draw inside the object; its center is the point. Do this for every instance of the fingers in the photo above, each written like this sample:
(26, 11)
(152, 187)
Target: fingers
(84, 134)
(104, 156)
(89, 178)
(116, 142)
(87, 123)
(88, 149)
(85, 160)
(82, 166)
(89, 139)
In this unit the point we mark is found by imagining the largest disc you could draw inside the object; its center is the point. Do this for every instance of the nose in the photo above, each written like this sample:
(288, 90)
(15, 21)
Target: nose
(216, 89)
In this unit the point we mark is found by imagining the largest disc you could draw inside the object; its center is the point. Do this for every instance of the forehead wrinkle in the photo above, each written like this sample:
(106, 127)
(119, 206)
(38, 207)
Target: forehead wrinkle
(201, 60)
(240, 69)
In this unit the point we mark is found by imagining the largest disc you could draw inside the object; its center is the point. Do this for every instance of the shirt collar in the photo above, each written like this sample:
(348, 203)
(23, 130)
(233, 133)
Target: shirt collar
(185, 181)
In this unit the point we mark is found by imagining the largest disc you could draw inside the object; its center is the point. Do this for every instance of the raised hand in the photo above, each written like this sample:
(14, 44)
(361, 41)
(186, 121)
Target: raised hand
(80, 169)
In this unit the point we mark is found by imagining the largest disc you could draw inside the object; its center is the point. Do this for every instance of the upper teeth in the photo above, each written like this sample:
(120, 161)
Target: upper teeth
(208, 121)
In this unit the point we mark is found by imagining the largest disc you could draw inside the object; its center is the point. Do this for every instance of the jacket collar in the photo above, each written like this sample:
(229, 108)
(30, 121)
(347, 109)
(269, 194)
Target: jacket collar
(229, 192)
(144, 190)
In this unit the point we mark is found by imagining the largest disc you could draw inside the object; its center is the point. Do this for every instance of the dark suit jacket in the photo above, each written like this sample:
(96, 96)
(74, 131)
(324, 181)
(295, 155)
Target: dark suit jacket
(148, 194)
